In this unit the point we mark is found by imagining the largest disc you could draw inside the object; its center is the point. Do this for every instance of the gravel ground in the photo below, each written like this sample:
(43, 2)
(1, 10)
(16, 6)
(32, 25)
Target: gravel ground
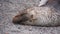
(9, 8)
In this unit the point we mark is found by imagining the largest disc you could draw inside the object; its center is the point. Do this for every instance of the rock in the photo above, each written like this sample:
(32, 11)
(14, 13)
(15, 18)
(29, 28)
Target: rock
(41, 16)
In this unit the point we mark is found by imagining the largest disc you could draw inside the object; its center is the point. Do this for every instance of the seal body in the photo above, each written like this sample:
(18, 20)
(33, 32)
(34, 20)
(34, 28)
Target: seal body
(42, 16)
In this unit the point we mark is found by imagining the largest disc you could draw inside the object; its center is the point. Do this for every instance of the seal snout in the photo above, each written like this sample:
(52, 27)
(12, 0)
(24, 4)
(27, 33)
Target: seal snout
(18, 19)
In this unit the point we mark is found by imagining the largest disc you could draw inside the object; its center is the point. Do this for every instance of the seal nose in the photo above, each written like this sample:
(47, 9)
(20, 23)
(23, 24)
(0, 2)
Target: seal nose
(19, 19)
